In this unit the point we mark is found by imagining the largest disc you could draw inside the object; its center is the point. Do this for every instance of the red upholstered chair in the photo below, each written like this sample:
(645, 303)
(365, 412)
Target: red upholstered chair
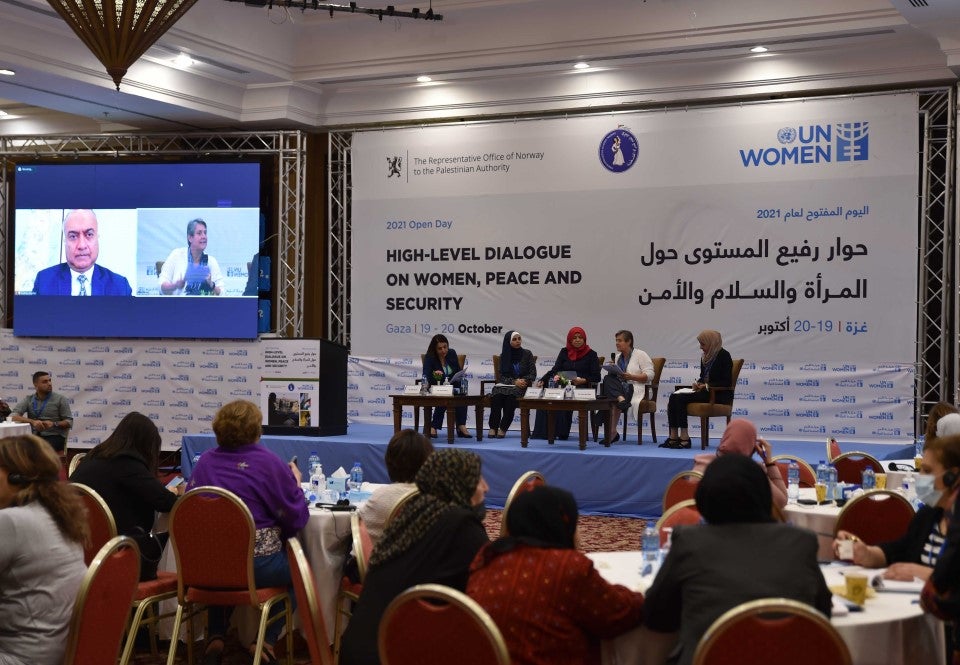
(308, 605)
(833, 449)
(99, 519)
(349, 590)
(850, 466)
(707, 410)
(400, 505)
(771, 630)
(680, 488)
(103, 604)
(431, 624)
(212, 535)
(525, 483)
(74, 463)
(876, 516)
(684, 512)
(808, 477)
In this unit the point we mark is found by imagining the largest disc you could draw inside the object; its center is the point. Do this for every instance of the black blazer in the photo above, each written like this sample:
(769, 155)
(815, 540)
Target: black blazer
(430, 363)
(721, 374)
(909, 547)
(528, 369)
(587, 367)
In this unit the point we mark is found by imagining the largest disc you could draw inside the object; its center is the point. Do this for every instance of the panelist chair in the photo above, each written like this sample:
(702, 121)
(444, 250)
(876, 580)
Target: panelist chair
(462, 359)
(707, 410)
(648, 404)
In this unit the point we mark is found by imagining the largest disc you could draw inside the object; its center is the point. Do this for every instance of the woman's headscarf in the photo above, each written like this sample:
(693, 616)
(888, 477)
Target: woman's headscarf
(540, 517)
(573, 353)
(734, 489)
(510, 354)
(712, 343)
(949, 424)
(739, 438)
(447, 480)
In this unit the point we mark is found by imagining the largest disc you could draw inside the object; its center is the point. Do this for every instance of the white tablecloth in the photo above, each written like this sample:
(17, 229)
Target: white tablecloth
(820, 519)
(13, 429)
(891, 630)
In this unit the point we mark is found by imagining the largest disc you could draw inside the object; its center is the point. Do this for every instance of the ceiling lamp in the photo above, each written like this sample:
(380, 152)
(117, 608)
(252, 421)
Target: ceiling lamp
(759, 49)
(118, 32)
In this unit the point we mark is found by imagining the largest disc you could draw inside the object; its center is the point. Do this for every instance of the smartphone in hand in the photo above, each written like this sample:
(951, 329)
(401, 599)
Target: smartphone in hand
(175, 482)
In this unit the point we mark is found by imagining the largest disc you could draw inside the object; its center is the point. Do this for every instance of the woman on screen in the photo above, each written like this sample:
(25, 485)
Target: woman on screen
(576, 357)
(190, 270)
(440, 364)
(716, 368)
(518, 371)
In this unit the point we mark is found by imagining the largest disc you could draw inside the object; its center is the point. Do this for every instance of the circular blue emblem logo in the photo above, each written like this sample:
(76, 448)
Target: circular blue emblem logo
(618, 150)
(290, 387)
(787, 135)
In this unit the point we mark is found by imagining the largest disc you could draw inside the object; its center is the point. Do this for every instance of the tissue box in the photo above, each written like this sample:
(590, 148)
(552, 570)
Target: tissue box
(337, 484)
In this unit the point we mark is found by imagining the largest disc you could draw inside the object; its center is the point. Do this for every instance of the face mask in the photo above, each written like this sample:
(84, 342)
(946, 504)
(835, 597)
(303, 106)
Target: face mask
(926, 491)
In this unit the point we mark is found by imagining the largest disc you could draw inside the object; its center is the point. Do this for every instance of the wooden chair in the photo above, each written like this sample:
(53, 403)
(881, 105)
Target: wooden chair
(350, 591)
(103, 604)
(74, 463)
(462, 359)
(212, 535)
(771, 630)
(833, 449)
(680, 488)
(496, 374)
(850, 466)
(525, 483)
(876, 516)
(684, 512)
(710, 409)
(431, 624)
(808, 477)
(312, 625)
(648, 404)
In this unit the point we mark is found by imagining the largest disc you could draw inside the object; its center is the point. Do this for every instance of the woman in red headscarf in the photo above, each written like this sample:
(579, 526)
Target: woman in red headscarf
(577, 357)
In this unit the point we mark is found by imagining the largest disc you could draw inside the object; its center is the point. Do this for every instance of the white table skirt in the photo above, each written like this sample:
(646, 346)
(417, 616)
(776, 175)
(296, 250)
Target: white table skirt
(892, 629)
(13, 429)
(820, 519)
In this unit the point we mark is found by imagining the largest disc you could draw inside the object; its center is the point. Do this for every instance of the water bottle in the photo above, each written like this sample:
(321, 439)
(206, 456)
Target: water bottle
(568, 391)
(665, 549)
(464, 388)
(822, 472)
(425, 385)
(313, 461)
(831, 483)
(356, 476)
(317, 480)
(868, 479)
(650, 544)
(910, 490)
(793, 482)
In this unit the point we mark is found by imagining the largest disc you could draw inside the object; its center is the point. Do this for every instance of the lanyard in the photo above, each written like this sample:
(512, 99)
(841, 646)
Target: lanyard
(43, 405)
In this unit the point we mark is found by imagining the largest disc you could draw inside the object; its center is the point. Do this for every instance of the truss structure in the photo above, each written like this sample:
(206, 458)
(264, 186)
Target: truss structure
(339, 212)
(287, 148)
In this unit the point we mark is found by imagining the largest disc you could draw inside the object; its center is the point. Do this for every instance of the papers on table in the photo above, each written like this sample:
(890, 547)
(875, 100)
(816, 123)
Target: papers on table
(685, 391)
(880, 583)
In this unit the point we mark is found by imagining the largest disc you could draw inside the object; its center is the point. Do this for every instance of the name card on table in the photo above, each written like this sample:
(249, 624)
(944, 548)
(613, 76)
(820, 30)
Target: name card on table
(533, 393)
(412, 390)
(553, 393)
(442, 391)
(585, 393)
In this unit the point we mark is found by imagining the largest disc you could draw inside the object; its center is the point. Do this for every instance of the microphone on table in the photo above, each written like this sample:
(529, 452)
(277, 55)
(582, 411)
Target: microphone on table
(893, 466)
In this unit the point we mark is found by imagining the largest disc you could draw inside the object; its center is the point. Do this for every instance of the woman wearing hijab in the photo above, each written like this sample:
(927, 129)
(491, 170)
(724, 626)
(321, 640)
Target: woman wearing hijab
(716, 368)
(740, 438)
(550, 603)
(433, 540)
(517, 373)
(740, 554)
(577, 357)
(440, 363)
(936, 412)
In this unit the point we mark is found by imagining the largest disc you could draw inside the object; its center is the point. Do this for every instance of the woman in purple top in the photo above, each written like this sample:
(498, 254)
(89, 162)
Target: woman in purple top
(271, 490)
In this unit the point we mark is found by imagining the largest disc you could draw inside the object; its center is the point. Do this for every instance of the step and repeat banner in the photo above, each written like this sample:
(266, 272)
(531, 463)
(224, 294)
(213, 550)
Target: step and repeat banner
(790, 227)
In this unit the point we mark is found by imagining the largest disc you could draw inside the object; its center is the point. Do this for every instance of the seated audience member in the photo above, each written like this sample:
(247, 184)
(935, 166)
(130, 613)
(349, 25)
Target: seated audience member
(550, 603)
(433, 540)
(517, 373)
(406, 453)
(576, 356)
(937, 411)
(43, 528)
(948, 425)
(123, 470)
(739, 554)
(270, 488)
(627, 388)
(916, 552)
(740, 438)
(716, 368)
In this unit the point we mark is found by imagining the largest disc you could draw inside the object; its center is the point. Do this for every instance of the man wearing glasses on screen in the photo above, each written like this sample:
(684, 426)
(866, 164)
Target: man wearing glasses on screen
(189, 270)
(80, 275)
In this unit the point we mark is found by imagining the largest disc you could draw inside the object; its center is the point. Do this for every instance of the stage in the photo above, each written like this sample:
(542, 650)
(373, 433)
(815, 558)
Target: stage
(625, 479)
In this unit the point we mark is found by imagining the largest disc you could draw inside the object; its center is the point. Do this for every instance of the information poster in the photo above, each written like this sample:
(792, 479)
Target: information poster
(289, 383)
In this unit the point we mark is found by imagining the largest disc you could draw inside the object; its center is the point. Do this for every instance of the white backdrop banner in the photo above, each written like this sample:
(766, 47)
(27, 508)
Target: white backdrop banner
(787, 226)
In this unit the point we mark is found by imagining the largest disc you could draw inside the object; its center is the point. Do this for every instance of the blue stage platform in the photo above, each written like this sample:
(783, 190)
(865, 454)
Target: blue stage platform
(625, 479)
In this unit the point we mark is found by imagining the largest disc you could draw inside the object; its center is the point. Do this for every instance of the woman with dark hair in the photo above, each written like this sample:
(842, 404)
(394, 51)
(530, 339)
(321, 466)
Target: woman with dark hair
(440, 363)
(576, 357)
(550, 603)
(517, 372)
(716, 367)
(43, 528)
(740, 554)
(123, 471)
(433, 540)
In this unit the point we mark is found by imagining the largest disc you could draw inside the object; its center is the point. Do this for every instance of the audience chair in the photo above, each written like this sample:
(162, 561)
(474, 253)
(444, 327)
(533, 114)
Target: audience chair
(680, 488)
(212, 535)
(400, 505)
(462, 359)
(74, 463)
(808, 477)
(525, 483)
(312, 624)
(350, 591)
(100, 520)
(876, 516)
(103, 604)
(850, 466)
(833, 449)
(707, 410)
(431, 624)
(772, 630)
(684, 512)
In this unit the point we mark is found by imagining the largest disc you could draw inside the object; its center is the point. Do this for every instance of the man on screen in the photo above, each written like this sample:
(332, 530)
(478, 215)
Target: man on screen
(47, 412)
(189, 270)
(80, 275)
